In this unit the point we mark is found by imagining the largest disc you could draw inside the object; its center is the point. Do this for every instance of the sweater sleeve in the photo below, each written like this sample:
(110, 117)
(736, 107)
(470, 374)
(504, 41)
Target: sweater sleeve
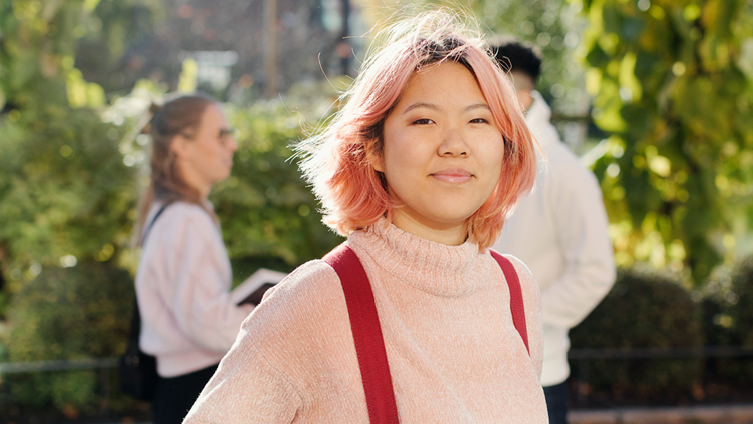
(270, 372)
(246, 388)
(201, 298)
(582, 232)
(532, 305)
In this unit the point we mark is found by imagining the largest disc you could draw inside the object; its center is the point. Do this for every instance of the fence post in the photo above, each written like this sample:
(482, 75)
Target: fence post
(104, 410)
(582, 381)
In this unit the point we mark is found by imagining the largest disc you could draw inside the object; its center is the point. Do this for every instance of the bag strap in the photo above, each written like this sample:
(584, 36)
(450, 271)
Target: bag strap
(516, 296)
(136, 316)
(151, 223)
(367, 335)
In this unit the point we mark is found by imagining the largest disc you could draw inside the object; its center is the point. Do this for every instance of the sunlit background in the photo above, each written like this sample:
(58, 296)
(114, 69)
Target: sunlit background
(655, 96)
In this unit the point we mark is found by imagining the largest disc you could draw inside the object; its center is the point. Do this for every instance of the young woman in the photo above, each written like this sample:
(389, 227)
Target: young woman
(419, 170)
(182, 284)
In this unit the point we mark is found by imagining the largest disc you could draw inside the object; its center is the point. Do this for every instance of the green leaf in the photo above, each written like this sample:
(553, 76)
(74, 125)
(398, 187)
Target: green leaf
(679, 91)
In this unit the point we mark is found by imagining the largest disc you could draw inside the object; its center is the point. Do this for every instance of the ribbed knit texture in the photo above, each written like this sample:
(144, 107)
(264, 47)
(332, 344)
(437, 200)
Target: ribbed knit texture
(454, 354)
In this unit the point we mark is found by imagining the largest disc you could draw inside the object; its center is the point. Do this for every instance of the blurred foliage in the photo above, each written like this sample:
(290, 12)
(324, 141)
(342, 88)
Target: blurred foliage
(642, 310)
(73, 166)
(64, 314)
(111, 31)
(265, 206)
(673, 83)
(64, 187)
(728, 318)
(554, 27)
(740, 303)
(645, 309)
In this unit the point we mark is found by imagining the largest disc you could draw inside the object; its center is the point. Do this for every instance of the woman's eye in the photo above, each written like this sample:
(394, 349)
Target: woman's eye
(423, 121)
(479, 121)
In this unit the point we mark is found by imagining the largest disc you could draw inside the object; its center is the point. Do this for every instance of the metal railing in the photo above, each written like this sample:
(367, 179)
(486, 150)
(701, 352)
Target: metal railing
(104, 365)
(582, 356)
(63, 365)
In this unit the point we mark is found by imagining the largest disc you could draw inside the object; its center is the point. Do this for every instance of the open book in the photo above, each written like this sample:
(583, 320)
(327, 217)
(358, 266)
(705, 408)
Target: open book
(253, 288)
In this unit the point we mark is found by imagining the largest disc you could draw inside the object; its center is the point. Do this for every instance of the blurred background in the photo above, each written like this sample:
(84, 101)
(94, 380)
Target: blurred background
(655, 96)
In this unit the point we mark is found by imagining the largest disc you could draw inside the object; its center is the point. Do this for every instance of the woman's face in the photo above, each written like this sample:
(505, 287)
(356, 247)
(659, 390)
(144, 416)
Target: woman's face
(442, 153)
(206, 156)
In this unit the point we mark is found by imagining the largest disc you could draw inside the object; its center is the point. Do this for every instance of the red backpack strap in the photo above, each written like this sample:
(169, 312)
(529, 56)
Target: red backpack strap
(516, 296)
(367, 335)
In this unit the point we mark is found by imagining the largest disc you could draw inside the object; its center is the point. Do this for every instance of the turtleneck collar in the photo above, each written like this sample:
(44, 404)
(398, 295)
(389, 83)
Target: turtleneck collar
(435, 268)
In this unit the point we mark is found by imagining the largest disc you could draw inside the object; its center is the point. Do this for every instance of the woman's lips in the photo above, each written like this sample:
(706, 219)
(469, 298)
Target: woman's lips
(453, 175)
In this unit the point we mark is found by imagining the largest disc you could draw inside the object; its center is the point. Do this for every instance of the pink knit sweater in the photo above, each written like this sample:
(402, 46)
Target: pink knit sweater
(454, 354)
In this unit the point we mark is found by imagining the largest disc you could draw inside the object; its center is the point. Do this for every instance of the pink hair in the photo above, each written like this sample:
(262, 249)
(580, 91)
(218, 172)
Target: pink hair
(339, 162)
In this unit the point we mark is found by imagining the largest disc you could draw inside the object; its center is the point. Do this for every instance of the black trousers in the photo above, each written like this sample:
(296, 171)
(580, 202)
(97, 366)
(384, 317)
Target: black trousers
(556, 403)
(174, 396)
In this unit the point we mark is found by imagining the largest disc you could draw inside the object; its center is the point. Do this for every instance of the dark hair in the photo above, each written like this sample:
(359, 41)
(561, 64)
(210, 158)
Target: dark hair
(180, 115)
(519, 57)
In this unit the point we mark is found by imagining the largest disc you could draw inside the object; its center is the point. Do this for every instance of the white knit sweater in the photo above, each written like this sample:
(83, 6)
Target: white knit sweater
(182, 285)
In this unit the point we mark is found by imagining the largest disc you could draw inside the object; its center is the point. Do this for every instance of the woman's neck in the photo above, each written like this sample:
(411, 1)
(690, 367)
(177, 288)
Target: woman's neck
(452, 234)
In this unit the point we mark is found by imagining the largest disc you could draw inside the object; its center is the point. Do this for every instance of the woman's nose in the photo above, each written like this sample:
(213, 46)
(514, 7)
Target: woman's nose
(453, 144)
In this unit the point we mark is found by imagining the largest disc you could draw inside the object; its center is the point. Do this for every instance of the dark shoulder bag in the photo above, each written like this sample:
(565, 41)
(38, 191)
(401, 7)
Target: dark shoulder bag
(138, 370)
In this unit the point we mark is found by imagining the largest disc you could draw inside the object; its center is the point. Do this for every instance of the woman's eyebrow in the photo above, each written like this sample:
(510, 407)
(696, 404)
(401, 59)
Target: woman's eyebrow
(421, 105)
(435, 107)
(477, 106)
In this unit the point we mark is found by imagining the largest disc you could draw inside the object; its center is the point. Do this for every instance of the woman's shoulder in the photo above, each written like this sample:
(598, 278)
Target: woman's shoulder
(527, 283)
(519, 266)
(306, 290)
(304, 313)
(181, 209)
(179, 216)
(178, 223)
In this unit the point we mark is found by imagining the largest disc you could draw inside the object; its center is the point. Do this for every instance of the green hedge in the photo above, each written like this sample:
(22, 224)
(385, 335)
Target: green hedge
(65, 314)
(728, 313)
(740, 304)
(642, 310)
(647, 310)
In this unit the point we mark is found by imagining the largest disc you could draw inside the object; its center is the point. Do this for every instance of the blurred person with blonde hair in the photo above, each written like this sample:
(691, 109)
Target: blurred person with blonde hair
(188, 321)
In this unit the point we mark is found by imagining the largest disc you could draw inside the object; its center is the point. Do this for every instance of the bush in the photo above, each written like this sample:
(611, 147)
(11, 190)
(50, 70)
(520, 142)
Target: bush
(64, 190)
(64, 314)
(740, 303)
(728, 312)
(641, 311)
(265, 207)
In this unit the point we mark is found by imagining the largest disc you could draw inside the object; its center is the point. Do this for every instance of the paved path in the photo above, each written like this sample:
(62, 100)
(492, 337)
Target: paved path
(721, 414)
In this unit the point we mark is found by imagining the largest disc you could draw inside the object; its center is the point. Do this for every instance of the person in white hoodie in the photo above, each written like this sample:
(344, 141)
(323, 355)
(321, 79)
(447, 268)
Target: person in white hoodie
(560, 230)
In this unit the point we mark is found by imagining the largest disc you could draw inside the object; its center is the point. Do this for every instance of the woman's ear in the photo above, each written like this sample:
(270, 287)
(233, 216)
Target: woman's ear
(378, 163)
(375, 158)
(180, 145)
